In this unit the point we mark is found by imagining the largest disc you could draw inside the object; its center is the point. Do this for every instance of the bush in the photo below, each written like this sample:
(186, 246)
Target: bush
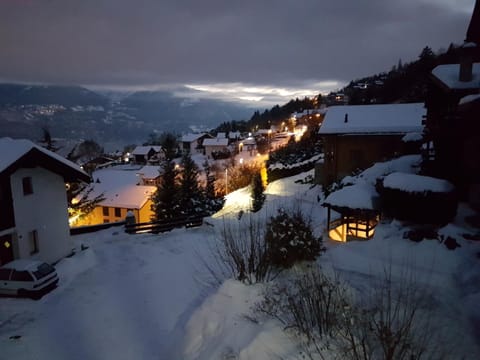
(421, 208)
(241, 253)
(290, 239)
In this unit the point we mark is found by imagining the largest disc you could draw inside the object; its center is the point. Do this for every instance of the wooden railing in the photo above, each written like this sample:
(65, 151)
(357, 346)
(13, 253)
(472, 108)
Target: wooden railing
(165, 225)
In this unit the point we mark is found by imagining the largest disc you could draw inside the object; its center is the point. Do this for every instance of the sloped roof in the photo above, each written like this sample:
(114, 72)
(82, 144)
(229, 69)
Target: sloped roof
(192, 137)
(373, 119)
(150, 171)
(358, 196)
(215, 142)
(143, 150)
(18, 153)
(449, 75)
(120, 189)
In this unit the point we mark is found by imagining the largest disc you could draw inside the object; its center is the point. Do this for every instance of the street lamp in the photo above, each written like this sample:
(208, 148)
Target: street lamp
(226, 181)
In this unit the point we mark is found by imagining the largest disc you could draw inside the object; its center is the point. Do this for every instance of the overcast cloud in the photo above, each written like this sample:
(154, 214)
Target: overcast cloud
(219, 45)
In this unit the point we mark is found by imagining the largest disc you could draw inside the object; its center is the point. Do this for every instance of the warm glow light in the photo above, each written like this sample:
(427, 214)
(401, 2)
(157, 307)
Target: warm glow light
(340, 232)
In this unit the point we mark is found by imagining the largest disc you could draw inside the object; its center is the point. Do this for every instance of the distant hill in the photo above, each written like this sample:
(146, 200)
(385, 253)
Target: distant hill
(179, 114)
(74, 112)
(15, 94)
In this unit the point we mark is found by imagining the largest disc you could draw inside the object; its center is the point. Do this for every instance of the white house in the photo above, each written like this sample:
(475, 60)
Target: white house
(147, 154)
(33, 201)
(123, 190)
(215, 145)
(192, 143)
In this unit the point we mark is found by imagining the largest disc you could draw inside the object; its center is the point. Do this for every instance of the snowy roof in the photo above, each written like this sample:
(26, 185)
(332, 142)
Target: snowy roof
(14, 149)
(412, 136)
(150, 171)
(128, 196)
(468, 99)
(234, 134)
(358, 196)
(143, 150)
(192, 137)
(449, 75)
(221, 135)
(385, 118)
(416, 183)
(215, 142)
(120, 189)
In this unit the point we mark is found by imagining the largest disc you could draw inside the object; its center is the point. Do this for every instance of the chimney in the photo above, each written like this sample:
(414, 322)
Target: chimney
(346, 118)
(466, 62)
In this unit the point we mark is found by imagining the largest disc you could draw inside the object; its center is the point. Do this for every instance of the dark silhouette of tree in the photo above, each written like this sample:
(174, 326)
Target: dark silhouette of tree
(47, 140)
(165, 200)
(258, 197)
(169, 144)
(190, 197)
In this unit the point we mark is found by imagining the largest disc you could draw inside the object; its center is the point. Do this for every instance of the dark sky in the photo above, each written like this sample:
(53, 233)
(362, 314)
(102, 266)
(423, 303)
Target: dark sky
(250, 49)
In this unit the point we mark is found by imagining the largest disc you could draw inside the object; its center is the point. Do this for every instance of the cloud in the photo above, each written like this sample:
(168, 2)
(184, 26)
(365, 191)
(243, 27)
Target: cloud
(278, 44)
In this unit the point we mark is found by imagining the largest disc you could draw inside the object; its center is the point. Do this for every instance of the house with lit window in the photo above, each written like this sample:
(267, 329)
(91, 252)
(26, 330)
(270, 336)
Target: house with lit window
(33, 202)
(149, 154)
(357, 136)
(123, 189)
(216, 145)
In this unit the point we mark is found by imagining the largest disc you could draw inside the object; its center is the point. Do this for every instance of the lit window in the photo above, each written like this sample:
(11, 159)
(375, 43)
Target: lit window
(27, 185)
(33, 241)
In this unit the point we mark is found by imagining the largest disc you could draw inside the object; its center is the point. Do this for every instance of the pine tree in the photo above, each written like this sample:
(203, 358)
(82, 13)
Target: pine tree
(165, 200)
(81, 201)
(190, 197)
(258, 197)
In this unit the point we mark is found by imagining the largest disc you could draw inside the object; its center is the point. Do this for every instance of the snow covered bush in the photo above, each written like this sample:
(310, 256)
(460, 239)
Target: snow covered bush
(310, 303)
(389, 317)
(290, 239)
(241, 253)
(419, 199)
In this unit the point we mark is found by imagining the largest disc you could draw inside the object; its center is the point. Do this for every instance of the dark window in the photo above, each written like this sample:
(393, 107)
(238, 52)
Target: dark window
(43, 270)
(118, 212)
(105, 211)
(33, 240)
(5, 274)
(27, 185)
(106, 221)
(21, 276)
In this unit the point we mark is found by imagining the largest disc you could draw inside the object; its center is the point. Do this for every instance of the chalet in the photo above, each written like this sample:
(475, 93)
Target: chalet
(452, 129)
(33, 202)
(147, 154)
(192, 143)
(215, 145)
(357, 136)
(123, 190)
(149, 175)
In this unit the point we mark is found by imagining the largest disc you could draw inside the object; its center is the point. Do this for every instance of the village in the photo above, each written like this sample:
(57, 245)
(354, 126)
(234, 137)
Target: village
(385, 203)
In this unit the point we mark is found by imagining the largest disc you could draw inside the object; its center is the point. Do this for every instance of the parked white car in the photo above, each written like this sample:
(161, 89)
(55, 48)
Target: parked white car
(25, 277)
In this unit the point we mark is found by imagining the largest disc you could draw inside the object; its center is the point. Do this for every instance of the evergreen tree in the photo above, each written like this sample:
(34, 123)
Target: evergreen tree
(80, 199)
(165, 200)
(212, 203)
(169, 145)
(190, 197)
(258, 197)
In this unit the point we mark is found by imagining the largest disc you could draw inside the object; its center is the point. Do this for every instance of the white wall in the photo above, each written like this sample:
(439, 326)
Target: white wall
(45, 211)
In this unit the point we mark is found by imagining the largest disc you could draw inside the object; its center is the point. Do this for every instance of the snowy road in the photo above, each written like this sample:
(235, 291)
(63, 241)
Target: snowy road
(120, 299)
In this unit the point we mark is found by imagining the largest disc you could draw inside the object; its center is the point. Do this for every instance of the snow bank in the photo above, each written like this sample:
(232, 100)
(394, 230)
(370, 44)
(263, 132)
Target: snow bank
(358, 196)
(220, 328)
(416, 183)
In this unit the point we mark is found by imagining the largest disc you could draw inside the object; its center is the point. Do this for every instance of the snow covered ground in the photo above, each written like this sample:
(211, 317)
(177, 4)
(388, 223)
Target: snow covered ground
(148, 296)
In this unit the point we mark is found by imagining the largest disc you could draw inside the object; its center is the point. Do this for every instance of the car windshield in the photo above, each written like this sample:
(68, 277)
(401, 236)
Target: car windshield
(43, 270)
